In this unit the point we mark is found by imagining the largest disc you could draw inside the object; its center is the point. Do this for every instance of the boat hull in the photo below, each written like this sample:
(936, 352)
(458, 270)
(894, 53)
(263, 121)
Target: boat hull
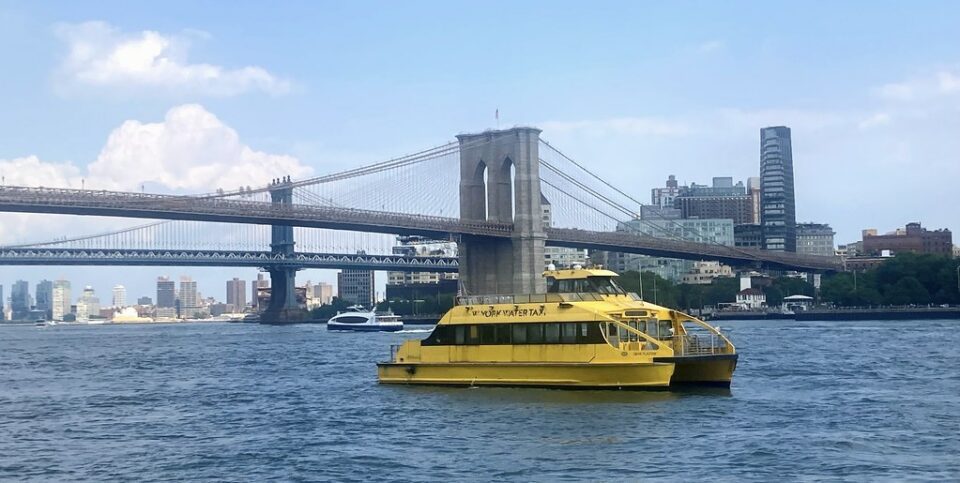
(364, 328)
(707, 370)
(553, 375)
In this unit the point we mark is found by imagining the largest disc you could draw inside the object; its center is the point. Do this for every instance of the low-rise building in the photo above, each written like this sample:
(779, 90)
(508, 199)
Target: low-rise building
(751, 298)
(815, 239)
(704, 272)
(913, 238)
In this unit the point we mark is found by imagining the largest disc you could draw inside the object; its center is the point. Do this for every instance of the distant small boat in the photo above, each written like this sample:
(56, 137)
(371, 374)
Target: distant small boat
(358, 320)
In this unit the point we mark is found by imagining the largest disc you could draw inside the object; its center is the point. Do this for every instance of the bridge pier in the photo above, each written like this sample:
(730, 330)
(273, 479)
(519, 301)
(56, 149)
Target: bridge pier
(283, 293)
(500, 181)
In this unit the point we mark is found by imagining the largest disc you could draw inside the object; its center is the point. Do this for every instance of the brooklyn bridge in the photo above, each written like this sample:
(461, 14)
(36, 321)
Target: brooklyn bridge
(483, 191)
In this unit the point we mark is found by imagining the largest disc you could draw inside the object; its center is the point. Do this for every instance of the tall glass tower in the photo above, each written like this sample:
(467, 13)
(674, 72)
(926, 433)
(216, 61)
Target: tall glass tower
(777, 203)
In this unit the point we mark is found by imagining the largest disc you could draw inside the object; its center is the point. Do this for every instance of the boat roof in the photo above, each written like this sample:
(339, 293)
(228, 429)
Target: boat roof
(578, 273)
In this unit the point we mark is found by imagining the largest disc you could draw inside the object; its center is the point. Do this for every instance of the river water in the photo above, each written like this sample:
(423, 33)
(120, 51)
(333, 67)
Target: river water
(860, 400)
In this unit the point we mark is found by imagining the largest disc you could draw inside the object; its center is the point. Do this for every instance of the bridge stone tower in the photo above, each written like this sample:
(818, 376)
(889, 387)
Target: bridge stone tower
(488, 161)
(283, 293)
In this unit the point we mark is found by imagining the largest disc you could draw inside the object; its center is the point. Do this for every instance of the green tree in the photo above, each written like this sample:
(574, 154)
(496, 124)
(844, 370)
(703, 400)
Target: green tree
(774, 296)
(907, 290)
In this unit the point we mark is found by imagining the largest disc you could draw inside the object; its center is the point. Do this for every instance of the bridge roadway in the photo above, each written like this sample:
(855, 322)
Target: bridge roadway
(172, 207)
(221, 258)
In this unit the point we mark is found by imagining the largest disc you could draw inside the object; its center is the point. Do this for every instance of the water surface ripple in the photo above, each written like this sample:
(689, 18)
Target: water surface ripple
(861, 400)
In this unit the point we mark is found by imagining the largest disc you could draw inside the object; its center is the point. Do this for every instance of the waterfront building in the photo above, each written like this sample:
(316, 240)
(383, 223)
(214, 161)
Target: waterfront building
(419, 246)
(166, 293)
(144, 301)
(753, 189)
(956, 254)
(62, 299)
(20, 300)
(665, 225)
(913, 238)
(751, 298)
(723, 199)
(356, 287)
(236, 295)
(189, 299)
(259, 285)
(777, 200)
(748, 236)
(88, 306)
(2, 309)
(663, 197)
(318, 294)
(704, 272)
(815, 239)
(44, 302)
(119, 296)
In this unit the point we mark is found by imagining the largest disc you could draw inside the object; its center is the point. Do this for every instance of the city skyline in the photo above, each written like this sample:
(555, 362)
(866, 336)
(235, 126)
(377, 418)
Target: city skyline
(642, 103)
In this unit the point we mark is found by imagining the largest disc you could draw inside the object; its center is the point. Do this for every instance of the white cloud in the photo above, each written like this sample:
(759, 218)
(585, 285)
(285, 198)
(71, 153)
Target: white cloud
(191, 150)
(944, 82)
(31, 171)
(874, 120)
(710, 46)
(102, 56)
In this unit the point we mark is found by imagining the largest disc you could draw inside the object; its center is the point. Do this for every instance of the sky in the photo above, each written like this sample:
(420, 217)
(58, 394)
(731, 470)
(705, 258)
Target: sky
(187, 96)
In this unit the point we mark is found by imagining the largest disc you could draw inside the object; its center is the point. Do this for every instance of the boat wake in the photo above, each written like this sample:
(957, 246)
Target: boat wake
(413, 331)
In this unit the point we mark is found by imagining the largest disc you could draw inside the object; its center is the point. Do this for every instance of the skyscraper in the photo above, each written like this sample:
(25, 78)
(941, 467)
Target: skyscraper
(255, 287)
(166, 292)
(45, 298)
(88, 306)
(189, 305)
(356, 287)
(2, 316)
(237, 294)
(119, 296)
(777, 203)
(61, 299)
(20, 300)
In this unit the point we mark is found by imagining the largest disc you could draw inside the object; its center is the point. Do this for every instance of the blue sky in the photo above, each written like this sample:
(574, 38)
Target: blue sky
(637, 90)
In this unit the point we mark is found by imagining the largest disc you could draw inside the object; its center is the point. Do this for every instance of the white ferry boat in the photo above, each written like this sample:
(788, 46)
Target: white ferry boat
(358, 320)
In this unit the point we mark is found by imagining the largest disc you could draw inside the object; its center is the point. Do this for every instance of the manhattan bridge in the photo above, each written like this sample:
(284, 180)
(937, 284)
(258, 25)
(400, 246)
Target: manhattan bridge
(483, 191)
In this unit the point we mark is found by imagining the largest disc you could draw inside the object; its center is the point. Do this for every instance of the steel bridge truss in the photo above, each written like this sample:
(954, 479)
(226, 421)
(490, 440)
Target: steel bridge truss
(222, 258)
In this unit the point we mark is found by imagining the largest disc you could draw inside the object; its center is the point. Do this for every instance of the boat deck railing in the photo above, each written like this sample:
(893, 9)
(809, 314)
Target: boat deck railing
(541, 298)
(699, 345)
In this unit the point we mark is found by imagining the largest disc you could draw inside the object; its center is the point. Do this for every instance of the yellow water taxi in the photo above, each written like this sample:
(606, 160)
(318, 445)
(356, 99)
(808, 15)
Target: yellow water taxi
(585, 332)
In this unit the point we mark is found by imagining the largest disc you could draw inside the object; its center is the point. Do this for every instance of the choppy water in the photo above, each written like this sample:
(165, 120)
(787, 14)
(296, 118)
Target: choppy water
(864, 400)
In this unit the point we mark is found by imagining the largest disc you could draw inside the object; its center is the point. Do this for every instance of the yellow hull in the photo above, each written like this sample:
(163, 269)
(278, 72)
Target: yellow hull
(555, 375)
(711, 370)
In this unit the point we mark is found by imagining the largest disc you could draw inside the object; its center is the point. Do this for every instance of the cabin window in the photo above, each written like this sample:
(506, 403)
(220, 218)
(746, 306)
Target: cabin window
(534, 333)
(593, 333)
(612, 329)
(666, 327)
(552, 333)
(568, 333)
(519, 333)
(351, 320)
(502, 334)
(487, 334)
(652, 328)
(460, 333)
(473, 335)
